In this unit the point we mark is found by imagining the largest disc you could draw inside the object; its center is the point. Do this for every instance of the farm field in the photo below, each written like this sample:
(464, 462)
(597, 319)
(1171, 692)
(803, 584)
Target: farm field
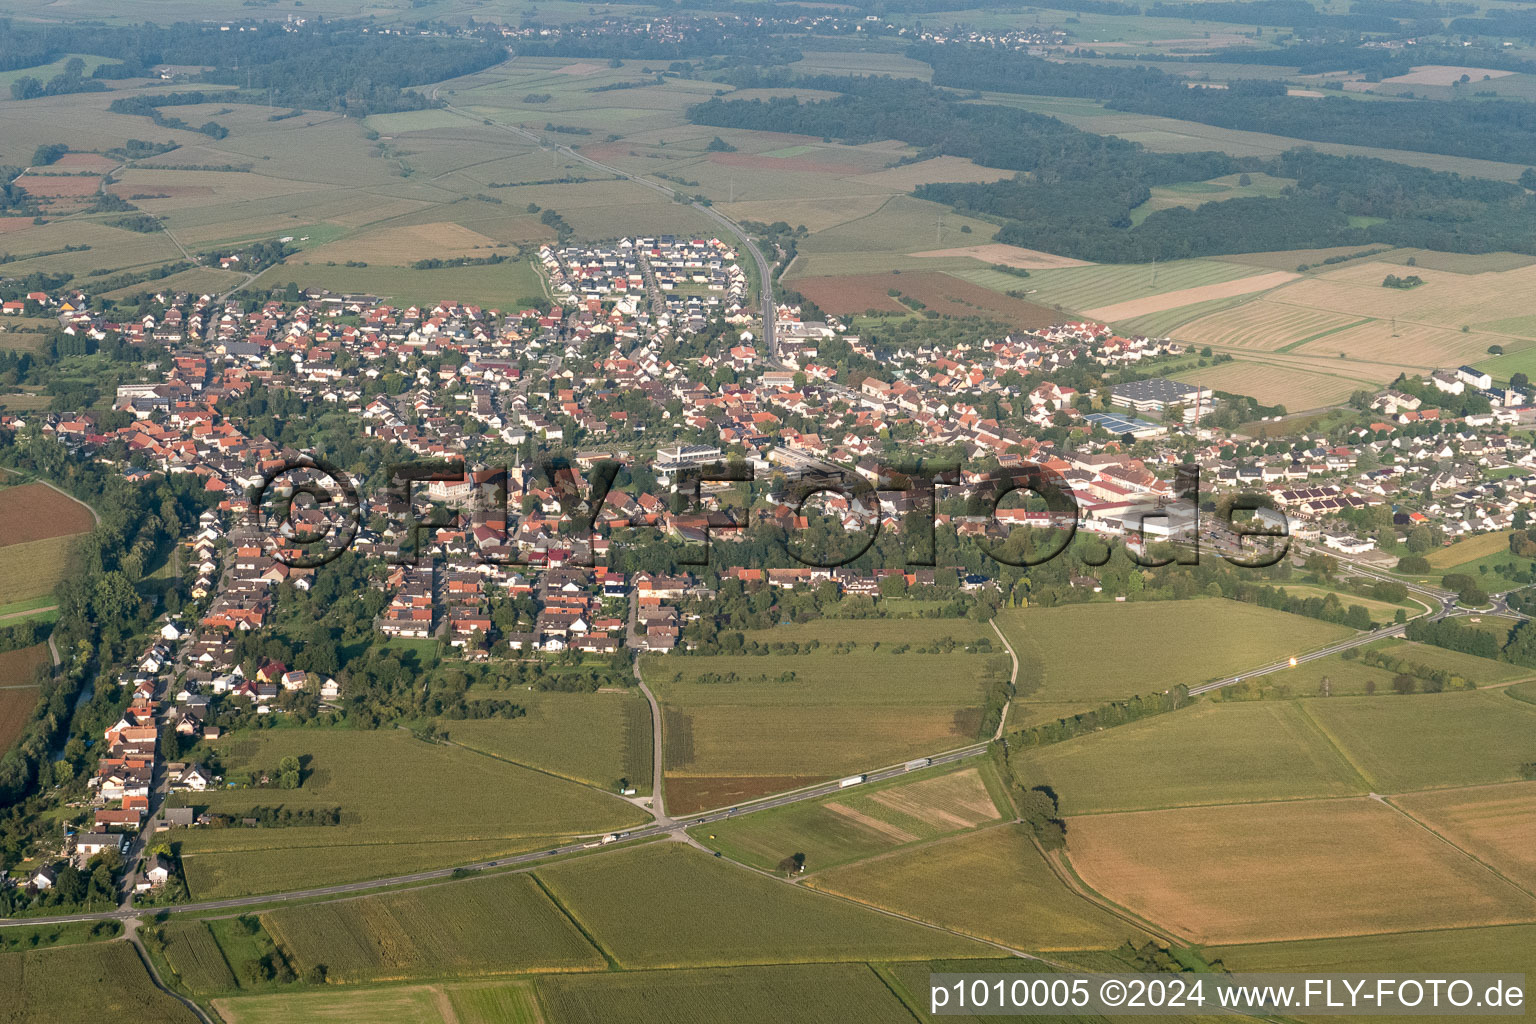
(1291, 870)
(41, 525)
(1431, 740)
(1020, 903)
(196, 958)
(498, 287)
(1271, 384)
(499, 925)
(1350, 676)
(1205, 754)
(1089, 287)
(1506, 948)
(1469, 549)
(669, 905)
(856, 824)
(1102, 652)
(1188, 296)
(945, 293)
(1492, 823)
(594, 738)
(850, 993)
(424, 802)
(788, 717)
(1380, 611)
(18, 690)
(1191, 194)
(84, 985)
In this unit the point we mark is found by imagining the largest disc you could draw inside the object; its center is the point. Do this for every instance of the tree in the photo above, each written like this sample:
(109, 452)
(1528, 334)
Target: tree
(1420, 539)
(1404, 683)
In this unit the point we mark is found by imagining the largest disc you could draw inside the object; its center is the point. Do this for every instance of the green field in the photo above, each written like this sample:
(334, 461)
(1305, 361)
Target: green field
(1432, 740)
(856, 824)
(84, 985)
(1352, 676)
(1209, 753)
(668, 905)
(595, 738)
(846, 993)
(1105, 285)
(826, 712)
(405, 805)
(32, 569)
(196, 958)
(993, 884)
(1506, 948)
(498, 287)
(1101, 652)
(501, 925)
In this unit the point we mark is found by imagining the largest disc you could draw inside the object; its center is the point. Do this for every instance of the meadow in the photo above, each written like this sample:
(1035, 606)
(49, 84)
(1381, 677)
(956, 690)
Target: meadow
(857, 824)
(84, 984)
(1102, 652)
(993, 884)
(498, 925)
(1205, 754)
(1352, 676)
(1468, 549)
(1295, 388)
(1289, 870)
(593, 738)
(405, 804)
(1431, 740)
(669, 905)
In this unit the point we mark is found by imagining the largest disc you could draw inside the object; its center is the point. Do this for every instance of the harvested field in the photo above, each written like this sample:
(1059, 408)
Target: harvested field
(89, 163)
(60, 186)
(805, 164)
(1469, 549)
(814, 214)
(37, 512)
(1007, 255)
(944, 293)
(1292, 870)
(943, 168)
(15, 224)
(949, 802)
(18, 693)
(1278, 385)
(401, 244)
(1442, 74)
(1006, 892)
(886, 829)
(689, 793)
(1188, 296)
(577, 69)
(1265, 325)
(1492, 823)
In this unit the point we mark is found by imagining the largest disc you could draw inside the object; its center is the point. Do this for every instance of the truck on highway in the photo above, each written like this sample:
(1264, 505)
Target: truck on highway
(921, 762)
(852, 780)
(611, 837)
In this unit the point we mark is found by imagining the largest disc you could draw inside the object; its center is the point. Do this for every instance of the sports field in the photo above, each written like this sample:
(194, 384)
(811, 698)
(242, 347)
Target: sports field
(426, 803)
(1291, 870)
(1506, 948)
(856, 824)
(1205, 754)
(669, 905)
(501, 925)
(1100, 652)
(1431, 740)
(1008, 895)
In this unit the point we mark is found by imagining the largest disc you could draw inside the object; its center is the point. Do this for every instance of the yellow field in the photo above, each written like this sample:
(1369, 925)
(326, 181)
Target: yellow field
(1294, 388)
(1263, 325)
(401, 244)
(1492, 823)
(1293, 870)
(1469, 549)
(1189, 296)
(1007, 255)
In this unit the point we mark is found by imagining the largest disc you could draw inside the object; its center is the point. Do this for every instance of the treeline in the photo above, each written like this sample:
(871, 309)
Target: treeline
(71, 79)
(1489, 130)
(321, 65)
(1106, 716)
(1453, 636)
(24, 634)
(149, 106)
(437, 263)
(1081, 188)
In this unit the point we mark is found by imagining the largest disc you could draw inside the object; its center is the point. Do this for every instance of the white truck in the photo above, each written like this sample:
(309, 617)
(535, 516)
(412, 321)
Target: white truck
(852, 780)
(920, 762)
